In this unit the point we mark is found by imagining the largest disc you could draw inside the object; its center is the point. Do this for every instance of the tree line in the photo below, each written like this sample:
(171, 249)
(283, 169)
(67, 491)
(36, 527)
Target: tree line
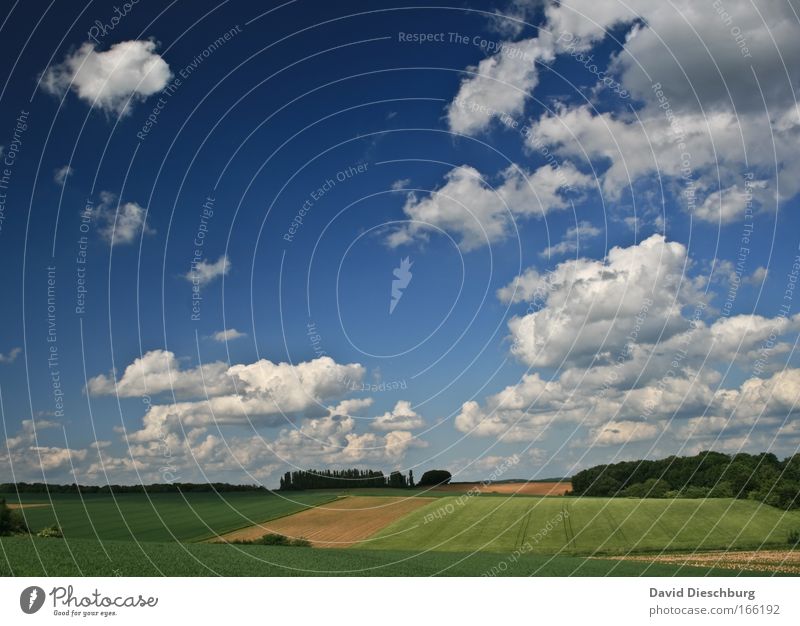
(344, 479)
(119, 489)
(301, 479)
(761, 477)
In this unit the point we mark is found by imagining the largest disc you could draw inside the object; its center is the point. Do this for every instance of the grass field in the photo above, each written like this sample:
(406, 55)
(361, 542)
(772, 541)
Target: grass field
(161, 517)
(587, 526)
(22, 556)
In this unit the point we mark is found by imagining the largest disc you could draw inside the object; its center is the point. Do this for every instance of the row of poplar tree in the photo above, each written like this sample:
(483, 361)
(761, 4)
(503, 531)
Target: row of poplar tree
(344, 479)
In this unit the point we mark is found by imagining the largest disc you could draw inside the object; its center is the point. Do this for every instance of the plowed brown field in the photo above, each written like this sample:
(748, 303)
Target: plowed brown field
(522, 489)
(338, 524)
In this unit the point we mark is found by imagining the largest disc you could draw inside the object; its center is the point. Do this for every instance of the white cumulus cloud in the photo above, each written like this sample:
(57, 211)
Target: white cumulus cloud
(401, 417)
(498, 86)
(112, 79)
(591, 306)
(478, 213)
(218, 393)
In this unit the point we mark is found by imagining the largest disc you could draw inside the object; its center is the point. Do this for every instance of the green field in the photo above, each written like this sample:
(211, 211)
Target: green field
(22, 556)
(160, 517)
(159, 534)
(586, 526)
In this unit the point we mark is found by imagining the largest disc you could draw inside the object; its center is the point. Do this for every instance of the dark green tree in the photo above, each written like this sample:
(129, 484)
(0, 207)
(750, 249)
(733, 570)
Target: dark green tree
(396, 479)
(11, 522)
(651, 488)
(435, 477)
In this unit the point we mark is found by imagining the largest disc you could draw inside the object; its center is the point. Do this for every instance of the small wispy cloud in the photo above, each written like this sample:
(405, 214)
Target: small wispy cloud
(61, 174)
(203, 272)
(11, 356)
(121, 224)
(228, 334)
(757, 277)
(572, 239)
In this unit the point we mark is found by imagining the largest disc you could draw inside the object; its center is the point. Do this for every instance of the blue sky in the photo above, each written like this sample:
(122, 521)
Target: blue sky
(598, 205)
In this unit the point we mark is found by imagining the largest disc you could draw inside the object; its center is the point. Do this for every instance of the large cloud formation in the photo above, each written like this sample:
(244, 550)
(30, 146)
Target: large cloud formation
(592, 305)
(718, 103)
(195, 416)
(218, 393)
(710, 115)
(638, 355)
(199, 430)
(631, 348)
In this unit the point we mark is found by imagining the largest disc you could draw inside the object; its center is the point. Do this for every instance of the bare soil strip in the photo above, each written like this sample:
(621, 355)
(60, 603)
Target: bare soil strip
(773, 561)
(12, 505)
(522, 489)
(337, 524)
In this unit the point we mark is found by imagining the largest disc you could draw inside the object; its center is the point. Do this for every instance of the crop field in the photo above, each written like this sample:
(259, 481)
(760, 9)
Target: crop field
(160, 517)
(338, 524)
(764, 561)
(556, 488)
(21, 556)
(587, 526)
(17, 505)
(419, 535)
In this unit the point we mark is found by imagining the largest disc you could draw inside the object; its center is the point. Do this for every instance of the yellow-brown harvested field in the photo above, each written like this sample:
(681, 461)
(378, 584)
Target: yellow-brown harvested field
(521, 489)
(338, 524)
(772, 561)
(13, 505)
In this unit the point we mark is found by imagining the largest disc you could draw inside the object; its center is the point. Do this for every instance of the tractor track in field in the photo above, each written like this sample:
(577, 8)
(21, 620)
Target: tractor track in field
(617, 529)
(569, 532)
(523, 531)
